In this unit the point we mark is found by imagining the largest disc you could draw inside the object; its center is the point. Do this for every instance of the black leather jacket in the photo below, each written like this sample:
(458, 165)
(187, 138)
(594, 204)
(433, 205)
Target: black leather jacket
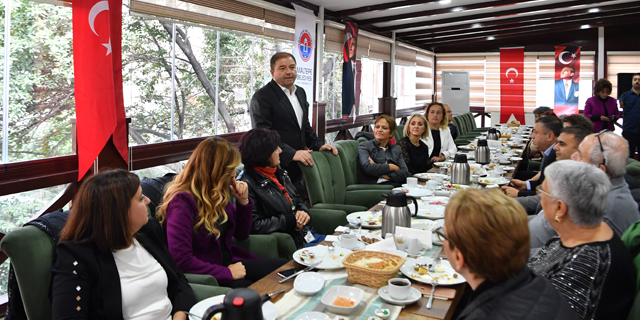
(272, 212)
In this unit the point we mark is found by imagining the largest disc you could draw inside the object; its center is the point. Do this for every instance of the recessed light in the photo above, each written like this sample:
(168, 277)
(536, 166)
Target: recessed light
(445, 1)
(476, 25)
(594, 10)
(585, 26)
(457, 9)
(491, 38)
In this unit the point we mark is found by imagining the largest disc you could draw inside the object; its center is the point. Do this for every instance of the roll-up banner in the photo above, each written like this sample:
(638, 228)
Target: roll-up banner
(512, 84)
(567, 78)
(303, 50)
(350, 45)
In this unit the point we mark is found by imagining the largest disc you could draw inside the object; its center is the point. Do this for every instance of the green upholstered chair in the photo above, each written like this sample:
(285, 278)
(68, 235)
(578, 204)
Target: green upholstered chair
(31, 252)
(633, 168)
(631, 239)
(399, 134)
(348, 153)
(328, 194)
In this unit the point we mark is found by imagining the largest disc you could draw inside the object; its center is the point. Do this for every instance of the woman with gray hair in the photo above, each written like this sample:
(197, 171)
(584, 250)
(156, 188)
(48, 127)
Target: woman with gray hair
(587, 262)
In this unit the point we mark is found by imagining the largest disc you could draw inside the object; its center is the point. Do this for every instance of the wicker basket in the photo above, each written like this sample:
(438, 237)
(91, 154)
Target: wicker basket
(367, 276)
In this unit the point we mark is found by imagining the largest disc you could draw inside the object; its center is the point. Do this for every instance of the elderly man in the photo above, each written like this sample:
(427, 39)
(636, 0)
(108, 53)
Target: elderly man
(485, 238)
(568, 142)
(607, 151)
(544, 136)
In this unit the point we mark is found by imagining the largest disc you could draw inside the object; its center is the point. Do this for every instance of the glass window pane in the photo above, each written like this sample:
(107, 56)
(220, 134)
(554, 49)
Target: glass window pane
(332, 85)
(41, 81)
(405, 87)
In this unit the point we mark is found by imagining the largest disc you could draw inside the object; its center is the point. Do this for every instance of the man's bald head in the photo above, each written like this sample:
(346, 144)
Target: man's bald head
(613, 160)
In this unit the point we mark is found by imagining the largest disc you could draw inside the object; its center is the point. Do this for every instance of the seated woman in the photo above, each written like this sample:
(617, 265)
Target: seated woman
(414, 151)
(382, 162)
(439, 140)
(112, 262)
(451, 124)
(201, 220)
(276, 204)
(587, 262)
(486, 239)
(602, 109)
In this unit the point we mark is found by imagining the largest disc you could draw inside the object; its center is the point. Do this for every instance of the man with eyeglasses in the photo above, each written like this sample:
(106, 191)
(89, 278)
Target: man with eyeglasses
(607, 151)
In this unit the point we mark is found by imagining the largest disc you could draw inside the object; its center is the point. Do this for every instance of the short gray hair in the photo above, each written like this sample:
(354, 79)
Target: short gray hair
(582, 187)
(616, 152)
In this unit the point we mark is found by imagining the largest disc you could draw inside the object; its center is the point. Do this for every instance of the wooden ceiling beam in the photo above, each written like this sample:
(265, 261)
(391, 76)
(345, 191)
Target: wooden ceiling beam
(550, 6)
(425, 13)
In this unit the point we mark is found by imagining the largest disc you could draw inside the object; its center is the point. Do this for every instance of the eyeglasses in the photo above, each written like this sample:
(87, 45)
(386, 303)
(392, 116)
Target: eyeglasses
(540, 192)
(441, 236)
(604, 159)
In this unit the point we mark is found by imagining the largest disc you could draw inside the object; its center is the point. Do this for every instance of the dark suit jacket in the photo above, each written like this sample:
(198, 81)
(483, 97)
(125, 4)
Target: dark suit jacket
(82, 270)
(545, 162)
(561, 95)
(373, 171)
(271, 109)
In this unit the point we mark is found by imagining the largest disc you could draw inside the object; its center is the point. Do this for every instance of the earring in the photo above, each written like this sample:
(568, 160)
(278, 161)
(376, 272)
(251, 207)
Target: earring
(558, 219)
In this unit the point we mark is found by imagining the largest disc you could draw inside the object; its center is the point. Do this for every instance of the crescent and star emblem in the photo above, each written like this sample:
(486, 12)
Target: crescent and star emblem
(573, 55)
(95, 10)
(506, 74)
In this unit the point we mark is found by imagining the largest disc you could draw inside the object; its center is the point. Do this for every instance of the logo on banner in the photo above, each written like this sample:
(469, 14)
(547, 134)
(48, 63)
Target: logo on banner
(305, 45)
(511, 80)
(561, 60)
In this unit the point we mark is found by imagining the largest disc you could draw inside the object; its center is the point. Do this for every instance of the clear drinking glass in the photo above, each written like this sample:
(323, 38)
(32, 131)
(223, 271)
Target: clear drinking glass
(474, 181)
(355, 225)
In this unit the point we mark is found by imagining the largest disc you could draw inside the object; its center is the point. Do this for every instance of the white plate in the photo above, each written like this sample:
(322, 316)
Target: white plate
(329, 262)
(313, 315)
(508, 168)
(365, 217)
(415, 192)
(430, 175)
(515, 159)
(453, 186)
(442, 164)
(269, 311)
(430, 211)
(308, 283)
(413, 297)
(359, 246)
(435, 200)
(443, 278)
(499, 181)
(467, 148)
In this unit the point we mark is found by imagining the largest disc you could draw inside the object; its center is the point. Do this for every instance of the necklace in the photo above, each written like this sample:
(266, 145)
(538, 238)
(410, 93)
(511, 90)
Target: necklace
(417, 144)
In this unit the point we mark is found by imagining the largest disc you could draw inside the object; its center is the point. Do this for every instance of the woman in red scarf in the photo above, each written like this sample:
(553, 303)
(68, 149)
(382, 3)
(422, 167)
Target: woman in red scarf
(277, 205)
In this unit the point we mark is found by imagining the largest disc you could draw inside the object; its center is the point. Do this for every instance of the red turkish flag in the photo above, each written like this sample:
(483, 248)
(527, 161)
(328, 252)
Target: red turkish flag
(512, 84)
(97, 58)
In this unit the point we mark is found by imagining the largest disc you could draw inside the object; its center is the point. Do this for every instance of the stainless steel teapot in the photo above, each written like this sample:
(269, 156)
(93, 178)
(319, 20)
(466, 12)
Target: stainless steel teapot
(396, 211)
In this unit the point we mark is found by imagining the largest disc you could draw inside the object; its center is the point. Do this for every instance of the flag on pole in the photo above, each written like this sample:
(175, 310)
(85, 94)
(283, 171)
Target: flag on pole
(97, 56)
(511, 84)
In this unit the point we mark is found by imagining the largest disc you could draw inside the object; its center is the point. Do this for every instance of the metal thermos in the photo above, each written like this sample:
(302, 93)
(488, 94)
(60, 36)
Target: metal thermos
(460, 170)
(483, 153)
(493, 134)
(396, 211)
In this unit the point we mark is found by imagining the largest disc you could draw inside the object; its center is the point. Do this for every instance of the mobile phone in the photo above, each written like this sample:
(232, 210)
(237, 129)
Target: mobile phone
(286, 273)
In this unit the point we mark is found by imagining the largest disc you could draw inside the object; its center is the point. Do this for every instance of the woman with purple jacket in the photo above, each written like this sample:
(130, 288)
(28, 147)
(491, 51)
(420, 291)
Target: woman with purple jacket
(602, 109)
(200, 219)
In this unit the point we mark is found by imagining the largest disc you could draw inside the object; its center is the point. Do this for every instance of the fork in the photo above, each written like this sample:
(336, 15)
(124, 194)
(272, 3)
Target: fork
(433, 289)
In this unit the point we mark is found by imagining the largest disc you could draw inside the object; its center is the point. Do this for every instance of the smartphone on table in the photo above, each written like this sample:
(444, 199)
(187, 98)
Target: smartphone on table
(288, 272)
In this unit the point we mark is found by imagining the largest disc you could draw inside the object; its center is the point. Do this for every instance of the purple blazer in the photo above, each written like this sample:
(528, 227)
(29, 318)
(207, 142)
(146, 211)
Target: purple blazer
(593, 109)
(200, 252)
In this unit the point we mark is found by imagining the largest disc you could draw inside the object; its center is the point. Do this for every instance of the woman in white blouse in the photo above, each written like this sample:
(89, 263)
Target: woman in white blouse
(439, 140)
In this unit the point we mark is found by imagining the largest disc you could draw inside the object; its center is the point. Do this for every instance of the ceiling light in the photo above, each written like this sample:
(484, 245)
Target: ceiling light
(476, 25)
(457, 9)
(491, 38)
(585, 26)
(594, 10)
(445, 1)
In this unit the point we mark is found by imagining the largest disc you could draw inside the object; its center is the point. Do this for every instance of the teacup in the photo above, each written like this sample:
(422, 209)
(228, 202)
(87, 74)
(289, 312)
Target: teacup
(348, 241)
(412, 182)
(399, 288)
(438, 179)
(413, 246)
(432, 184)
(495, 174)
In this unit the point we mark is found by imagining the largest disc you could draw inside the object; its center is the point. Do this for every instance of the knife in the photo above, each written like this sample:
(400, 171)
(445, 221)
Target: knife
(309, 268)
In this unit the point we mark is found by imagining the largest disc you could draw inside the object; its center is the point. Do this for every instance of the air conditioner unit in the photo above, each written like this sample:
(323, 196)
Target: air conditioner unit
(455, 90)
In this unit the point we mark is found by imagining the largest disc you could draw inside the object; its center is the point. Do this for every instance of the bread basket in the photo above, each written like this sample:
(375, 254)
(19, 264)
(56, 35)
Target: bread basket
(371, 277)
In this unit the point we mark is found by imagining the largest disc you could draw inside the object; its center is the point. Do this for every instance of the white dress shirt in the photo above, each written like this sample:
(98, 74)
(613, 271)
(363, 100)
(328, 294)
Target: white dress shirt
(297, 108)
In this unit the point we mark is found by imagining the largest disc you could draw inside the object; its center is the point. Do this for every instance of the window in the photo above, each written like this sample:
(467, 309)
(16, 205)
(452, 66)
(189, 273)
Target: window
(405, 80)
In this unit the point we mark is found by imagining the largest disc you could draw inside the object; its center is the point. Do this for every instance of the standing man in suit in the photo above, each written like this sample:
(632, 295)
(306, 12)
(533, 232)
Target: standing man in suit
(544, 136)
(630, 104)
(566, 92)
(282, 106)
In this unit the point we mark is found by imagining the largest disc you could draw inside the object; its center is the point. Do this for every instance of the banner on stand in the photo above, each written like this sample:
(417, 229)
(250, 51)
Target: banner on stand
(567, 79)
(305, 42)
(512, 84)
(349, 69)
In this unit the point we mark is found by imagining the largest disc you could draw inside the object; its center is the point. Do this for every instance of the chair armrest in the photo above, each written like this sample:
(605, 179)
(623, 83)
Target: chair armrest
(204, 279)
(262, 245)
(325, 221)
(202, 291)
(286, 245)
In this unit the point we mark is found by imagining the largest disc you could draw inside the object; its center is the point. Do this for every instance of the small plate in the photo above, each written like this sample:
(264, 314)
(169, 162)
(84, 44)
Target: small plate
(467, 148)
(508, 168)
(430, 175)
(515, 159)
(443, 278)
(454, 186)
(359, 246)
(413, 297)
(269, 310)
(442, 164)
(431, 212)
(309, 283)
(329, 262)
(313, 315)
(415, 192)
(367, 217)
(435, 200)
(499, 181)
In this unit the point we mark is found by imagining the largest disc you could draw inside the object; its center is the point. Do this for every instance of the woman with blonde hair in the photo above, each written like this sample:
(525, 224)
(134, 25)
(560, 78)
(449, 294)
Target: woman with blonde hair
(414, 151)
(200, 219)
(439, 139)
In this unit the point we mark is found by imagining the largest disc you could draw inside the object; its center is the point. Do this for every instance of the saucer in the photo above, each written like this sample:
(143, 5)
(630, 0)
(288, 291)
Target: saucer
(414, 296)
(359, 246)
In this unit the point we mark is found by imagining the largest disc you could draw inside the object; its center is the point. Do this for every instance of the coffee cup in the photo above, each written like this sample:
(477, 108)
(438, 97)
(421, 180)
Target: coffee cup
(499, 169)
(348, 241)
(413, 246)
(495, 174)
(399, 288)
(412, 182)
(432, 184)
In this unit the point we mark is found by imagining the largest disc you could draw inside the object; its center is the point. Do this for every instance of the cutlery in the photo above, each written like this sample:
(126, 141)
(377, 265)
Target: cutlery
(268, 296)
(192, 315)
(433, 289)
(309, 268)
